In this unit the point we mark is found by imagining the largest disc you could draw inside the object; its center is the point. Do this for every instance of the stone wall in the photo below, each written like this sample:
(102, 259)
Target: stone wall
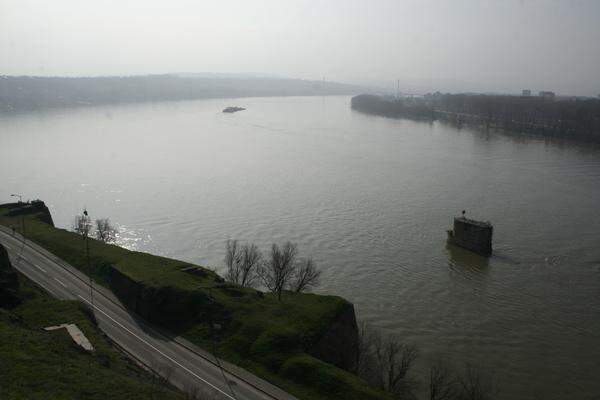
(339, 344)
(9, 281)
(34, 207)
(163, 305)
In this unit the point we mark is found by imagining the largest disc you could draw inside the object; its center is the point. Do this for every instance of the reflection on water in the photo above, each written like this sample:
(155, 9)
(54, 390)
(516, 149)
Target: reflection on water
(463, 259)
(369, 198)
(132, 239)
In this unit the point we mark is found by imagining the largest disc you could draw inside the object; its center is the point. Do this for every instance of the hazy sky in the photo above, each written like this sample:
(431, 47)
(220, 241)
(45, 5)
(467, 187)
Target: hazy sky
(502, 45)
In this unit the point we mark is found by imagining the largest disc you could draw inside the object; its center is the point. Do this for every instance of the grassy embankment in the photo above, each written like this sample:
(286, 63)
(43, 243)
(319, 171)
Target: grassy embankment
(270, 338)
(35, 364)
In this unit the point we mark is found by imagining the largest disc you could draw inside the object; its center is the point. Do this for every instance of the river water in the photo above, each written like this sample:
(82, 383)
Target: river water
(369, 199)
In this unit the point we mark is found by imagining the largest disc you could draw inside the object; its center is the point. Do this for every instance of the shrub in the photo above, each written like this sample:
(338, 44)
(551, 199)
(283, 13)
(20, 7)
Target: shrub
(339, 384)
(239, 344)
(274, 346)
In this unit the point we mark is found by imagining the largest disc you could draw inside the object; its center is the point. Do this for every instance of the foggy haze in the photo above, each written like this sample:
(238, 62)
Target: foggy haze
(469, 45)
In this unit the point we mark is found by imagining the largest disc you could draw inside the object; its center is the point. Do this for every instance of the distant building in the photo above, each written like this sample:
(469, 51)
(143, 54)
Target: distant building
(526, 93)
(547, 95)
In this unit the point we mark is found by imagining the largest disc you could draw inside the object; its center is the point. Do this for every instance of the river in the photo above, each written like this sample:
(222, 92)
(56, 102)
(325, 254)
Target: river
(369, 198)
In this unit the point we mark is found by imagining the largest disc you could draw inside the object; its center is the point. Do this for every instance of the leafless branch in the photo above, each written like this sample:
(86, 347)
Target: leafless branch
(385, 363)
(475, 384)
(105, 231)
(442, 383)
(250, 261)
(306, 276)
(232, 261)
(277, 272)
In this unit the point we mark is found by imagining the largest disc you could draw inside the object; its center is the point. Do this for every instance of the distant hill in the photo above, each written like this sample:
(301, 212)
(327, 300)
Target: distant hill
(19, 93)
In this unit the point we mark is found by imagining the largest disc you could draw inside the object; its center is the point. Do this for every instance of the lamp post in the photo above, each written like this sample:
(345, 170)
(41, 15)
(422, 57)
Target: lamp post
(22, 215)
(215, 329)
(86, 231)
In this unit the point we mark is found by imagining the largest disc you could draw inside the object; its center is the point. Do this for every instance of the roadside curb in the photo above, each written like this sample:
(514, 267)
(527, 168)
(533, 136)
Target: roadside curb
(239, 373)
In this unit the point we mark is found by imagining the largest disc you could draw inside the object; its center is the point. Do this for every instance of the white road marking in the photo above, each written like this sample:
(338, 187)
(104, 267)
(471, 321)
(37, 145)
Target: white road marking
(140, 339)
(44, 286)
(59, 281)
(157, 350)
(38, 267)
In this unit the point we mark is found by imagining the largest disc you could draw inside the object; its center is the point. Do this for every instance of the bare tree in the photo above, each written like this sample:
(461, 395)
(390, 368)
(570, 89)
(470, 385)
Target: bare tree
(306, 276)
(233, 258)
(82, 224)
(474, 384)
(442, 383)
(277, 272)
(281, 271)
(250, 261)
(105, 231)
(365, 360)
(385, 363)
(395, 360)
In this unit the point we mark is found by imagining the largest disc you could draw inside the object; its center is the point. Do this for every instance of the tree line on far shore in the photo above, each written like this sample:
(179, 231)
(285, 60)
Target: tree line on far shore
(20, 93)
(577, 118)
(562, 116)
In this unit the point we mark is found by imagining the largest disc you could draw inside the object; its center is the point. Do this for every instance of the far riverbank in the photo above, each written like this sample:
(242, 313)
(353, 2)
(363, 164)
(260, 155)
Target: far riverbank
(566, 118)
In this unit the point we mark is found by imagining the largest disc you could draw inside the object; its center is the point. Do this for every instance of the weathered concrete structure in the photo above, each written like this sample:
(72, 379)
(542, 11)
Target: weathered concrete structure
(472, 235)
(29, 208)
(78, 337)
(9, 281)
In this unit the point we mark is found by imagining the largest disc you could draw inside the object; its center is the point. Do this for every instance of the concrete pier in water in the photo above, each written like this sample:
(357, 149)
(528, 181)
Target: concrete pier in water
(472, 235)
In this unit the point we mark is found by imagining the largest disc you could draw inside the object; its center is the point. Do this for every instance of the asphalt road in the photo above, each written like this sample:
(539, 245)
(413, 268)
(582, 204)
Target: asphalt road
(185, 366)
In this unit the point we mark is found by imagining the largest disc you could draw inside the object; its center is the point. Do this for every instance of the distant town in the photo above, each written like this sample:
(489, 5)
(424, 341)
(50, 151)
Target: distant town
(546, 114)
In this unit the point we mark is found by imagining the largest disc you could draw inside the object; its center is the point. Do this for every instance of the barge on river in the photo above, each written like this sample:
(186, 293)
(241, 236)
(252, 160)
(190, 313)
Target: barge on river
(233, 109)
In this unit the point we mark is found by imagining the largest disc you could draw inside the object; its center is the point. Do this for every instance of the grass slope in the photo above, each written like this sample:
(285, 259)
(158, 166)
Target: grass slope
(268, 337)
(35, 364)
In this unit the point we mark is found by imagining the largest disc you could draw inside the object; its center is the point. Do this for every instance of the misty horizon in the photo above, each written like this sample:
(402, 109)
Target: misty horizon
(405, 88)
(465, 46)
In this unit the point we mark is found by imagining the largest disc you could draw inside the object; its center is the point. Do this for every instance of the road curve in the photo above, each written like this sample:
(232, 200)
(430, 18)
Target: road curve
(187, 367)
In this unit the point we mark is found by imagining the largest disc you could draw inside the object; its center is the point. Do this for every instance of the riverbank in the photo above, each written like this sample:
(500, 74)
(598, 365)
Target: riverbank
(573, 119)
(293, 343)
(27, 93)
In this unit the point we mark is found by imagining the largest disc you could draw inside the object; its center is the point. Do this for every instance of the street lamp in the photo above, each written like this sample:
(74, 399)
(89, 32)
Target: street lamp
(22, 214)
(86, 229)
(215, 329)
